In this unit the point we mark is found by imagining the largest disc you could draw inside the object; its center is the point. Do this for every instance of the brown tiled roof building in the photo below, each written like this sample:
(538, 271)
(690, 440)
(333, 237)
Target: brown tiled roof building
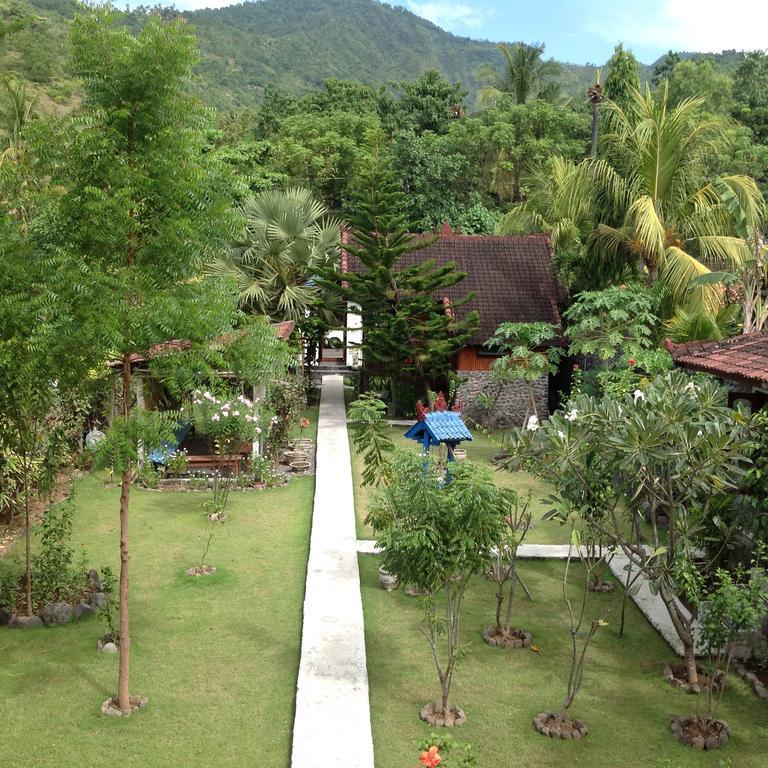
(511, 278)
(743, 359)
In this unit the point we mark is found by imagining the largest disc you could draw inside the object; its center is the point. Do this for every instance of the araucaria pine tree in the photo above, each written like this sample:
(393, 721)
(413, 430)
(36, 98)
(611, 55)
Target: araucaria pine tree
(141, 210)
(409, 335)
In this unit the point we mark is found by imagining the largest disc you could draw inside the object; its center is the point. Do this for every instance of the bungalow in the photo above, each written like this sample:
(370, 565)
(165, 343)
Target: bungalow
(151, 395)
(741, 362)
(512, 281)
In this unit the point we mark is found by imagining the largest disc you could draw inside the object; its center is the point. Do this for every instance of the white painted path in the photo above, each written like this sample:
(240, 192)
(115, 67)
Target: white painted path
(649, 603)
(332, 725)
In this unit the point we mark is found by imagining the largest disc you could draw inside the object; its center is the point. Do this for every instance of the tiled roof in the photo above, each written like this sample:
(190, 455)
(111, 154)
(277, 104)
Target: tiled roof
(442, 426)
(740, 358)
(511, 278)
(282, 330)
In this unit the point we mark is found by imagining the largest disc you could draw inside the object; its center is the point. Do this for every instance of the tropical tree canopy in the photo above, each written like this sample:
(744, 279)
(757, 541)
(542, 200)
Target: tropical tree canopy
(288, 236)
(649, 200)
(524, 75)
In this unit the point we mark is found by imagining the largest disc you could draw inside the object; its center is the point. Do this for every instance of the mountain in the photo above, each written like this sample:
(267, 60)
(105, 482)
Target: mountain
(296, 44)
(290, 44)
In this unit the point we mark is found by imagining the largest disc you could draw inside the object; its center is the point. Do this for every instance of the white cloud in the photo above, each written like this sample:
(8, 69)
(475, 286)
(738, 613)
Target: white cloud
(454, 16)
(685, 25)
(705, 25)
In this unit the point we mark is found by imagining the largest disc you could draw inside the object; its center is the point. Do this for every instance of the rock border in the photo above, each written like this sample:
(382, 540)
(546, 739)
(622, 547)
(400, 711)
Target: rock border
(544, 725)
(432, 713)
(58, 613)
(387, 580)
(110, 708)
(196, 571)
(754, 681)
(518, 638)
(679, 724)
(669, 676)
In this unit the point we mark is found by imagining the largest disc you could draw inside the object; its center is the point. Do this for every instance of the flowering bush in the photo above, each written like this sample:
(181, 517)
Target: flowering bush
(436, 749)
(176, 462)
(228, 420)
(286, 400)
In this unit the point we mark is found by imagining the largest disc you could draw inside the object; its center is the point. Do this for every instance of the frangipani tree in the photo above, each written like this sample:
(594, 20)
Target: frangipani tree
(667, 450)
(435, 536)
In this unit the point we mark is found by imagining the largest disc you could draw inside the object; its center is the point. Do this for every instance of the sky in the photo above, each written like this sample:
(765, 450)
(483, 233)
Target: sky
(585, 31)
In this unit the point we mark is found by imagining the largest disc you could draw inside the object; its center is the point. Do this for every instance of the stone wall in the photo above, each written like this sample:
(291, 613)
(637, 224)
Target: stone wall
(511, 404)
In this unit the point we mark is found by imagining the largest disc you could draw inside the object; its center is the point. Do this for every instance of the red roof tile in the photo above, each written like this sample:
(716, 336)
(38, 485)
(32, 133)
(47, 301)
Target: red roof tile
(740, 358)
(511, 278)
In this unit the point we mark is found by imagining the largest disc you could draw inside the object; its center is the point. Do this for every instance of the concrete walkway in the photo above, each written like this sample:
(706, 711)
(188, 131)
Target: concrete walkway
(333, 724)
(649, 603)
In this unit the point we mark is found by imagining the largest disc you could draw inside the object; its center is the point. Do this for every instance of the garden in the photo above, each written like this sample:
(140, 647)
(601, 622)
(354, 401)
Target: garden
(560, 543)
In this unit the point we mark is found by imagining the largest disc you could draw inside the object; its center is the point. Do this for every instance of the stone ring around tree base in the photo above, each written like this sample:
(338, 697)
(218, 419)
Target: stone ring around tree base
(553, 724)
(110, 706)
(515, 638)
(433, 714)
(700, 733)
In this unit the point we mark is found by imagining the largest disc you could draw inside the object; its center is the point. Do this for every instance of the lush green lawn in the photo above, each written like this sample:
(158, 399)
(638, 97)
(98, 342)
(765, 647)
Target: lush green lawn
(480, 450)
(217, 656)
(625, 701)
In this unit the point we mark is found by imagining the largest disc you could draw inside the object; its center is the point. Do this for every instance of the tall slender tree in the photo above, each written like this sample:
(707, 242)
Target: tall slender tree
(141, 211)
(595, 97)
(409, 334)
(623, 77)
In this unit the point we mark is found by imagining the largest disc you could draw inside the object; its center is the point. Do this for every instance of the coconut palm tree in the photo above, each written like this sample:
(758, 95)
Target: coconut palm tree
(524, 75)
(288, 238)
(595, 98)
(654, 204)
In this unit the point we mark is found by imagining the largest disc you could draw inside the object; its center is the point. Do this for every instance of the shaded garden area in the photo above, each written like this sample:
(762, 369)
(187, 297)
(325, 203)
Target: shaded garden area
(481, 450)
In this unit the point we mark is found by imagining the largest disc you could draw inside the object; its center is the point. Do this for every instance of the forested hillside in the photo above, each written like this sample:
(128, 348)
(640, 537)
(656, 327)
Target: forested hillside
(289, 44)
(296, 44)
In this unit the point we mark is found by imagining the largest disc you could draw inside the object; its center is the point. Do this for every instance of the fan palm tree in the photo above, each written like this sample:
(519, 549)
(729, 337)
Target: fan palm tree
(287, 240)
(524, 75)
(655, 206)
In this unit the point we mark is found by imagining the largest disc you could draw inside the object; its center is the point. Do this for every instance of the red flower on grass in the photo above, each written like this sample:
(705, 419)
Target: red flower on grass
(631, 360)
(304, 423)
(430, 758)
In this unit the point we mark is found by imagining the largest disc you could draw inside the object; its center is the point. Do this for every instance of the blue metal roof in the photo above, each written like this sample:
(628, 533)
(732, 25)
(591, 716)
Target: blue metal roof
(442, 427)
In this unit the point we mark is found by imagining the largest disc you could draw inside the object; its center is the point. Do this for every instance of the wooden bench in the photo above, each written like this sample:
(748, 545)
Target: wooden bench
(230, 464)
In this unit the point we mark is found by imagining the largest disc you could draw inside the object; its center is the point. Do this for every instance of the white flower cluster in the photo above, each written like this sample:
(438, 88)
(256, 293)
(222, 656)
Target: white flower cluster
(225, 410)
(571, 415)
(533, 423)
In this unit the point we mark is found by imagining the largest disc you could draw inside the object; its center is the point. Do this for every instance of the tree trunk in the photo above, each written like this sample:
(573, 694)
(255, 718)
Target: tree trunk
(595, 123)
(28, 538)
(123, 695)
(684, 632)
(690, 662)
